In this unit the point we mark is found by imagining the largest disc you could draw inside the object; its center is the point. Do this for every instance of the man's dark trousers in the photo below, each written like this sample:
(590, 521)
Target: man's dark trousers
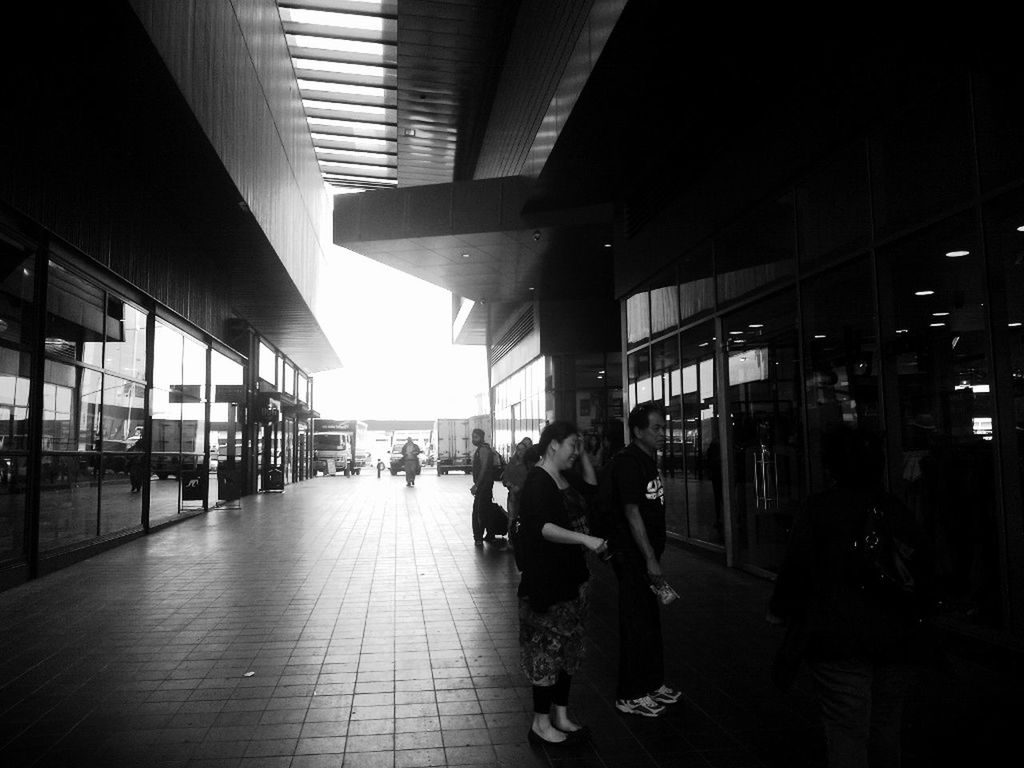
(641, 657)
(481, 501)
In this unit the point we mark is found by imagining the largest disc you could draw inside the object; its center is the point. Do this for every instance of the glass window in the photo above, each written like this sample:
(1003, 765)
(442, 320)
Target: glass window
(841, 357)
(289, 379)
(921, 162)
(664, 303)
(833, 207)
(14, 410)
(941, 458)
(17, 291)
(638, 318)
(694, 489)
(765, 399)
(267, 364)
(697, 284)
(126, 349)
(758, 252)
(76, 317)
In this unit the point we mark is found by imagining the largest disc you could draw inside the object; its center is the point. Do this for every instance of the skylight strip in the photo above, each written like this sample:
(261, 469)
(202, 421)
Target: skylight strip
(336, 44)
(333, 19)
(343, 68)
(351, 90)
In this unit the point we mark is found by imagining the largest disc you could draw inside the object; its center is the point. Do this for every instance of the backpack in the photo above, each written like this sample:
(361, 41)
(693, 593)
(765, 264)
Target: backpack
(886, 562)
(498, 463)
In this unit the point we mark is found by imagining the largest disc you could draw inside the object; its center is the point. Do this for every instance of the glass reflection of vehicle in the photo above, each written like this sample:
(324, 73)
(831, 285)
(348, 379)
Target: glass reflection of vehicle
(164, 465)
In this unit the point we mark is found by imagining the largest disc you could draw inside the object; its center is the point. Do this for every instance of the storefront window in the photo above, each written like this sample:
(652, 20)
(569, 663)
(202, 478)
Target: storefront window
(227, 429)
(699, 515)
(638, 318)
(14, 411)
(17, 291)
(697, 284)
(267, 364)
(941, 459)
(765, 394)
(841, 358)
(758, 252)
(126, 349)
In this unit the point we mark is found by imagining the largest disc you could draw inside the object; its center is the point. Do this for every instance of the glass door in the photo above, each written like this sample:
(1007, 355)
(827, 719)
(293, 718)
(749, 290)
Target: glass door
(765, 393)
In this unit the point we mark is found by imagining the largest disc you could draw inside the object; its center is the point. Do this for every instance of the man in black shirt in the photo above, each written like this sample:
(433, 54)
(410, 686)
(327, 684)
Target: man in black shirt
(483, 486)
(638, 540)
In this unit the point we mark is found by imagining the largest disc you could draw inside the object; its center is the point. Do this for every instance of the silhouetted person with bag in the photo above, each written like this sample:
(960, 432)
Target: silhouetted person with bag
(852, 615)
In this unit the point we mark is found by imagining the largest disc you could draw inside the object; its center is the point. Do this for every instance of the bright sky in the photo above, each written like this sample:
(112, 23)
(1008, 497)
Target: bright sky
(393, 334)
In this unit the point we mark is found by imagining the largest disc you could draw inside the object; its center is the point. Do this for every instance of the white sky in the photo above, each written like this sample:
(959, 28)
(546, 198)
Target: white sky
(393, 334)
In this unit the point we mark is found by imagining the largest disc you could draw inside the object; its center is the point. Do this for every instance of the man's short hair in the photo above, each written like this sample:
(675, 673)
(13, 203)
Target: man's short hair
(478, 431)
(640, 416)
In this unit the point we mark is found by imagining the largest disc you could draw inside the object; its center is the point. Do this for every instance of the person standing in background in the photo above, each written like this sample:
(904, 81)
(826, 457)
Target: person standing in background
(411, 461)
(483, 486)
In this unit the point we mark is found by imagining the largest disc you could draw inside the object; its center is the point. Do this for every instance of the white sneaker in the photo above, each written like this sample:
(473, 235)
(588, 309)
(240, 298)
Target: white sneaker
(665, 695)
(645, 706)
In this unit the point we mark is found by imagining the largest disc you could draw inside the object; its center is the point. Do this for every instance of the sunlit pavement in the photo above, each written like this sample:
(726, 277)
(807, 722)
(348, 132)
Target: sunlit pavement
(351, 621)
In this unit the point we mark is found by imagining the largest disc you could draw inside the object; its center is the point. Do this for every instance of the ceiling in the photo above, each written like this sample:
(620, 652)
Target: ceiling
(529, 140)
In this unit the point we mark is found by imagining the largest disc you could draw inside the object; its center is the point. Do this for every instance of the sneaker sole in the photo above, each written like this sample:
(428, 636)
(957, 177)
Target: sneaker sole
(648, 713)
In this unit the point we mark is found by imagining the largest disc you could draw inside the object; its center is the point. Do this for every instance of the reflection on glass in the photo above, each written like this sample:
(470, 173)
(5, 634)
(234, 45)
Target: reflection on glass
(943, 463)
(17, 291)
(764, 417)
(757, 252)
(76, 317)
(841, 362)
(13, 476)
(638, 318)
(267, 364)
(68, 499)
(126, 349)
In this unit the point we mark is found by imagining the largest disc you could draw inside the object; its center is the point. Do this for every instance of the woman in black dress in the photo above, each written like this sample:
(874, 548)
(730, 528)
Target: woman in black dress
(553, 545)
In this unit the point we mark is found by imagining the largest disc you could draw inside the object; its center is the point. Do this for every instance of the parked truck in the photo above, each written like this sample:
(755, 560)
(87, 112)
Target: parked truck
(455, 445)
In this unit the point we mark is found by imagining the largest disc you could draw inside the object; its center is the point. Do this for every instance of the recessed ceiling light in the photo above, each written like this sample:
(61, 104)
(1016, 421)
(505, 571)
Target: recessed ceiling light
(940, 314)
(465, 255)
(409, 132)
(1014, 325)
(902, 330)
(531, 288)
(1020, 229)
(735, 333)
(704, 344)
(957, 254)
(607, 245)
(936, 325)
(923, 293)
(819, 335)
(756, 325)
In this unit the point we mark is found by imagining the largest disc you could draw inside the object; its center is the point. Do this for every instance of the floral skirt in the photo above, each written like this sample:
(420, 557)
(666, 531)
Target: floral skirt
(552, 641)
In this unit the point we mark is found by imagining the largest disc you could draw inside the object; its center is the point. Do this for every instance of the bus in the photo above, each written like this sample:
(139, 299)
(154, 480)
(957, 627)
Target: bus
(345, 442)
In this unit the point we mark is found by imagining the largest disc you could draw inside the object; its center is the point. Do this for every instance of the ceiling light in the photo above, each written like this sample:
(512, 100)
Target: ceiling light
(940, 314)
(819, 335)
(923, 293)
(756, 325)
(1014, 325)
(607, 245)
(465, 255)
(531, 288)
(735, 333)
(957, 254)
(902, 330)
(409, 132)
(1020, 229)
(936, 325)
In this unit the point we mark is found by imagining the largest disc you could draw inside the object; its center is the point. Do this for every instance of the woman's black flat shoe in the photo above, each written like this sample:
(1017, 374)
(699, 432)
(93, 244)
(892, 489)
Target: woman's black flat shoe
(583, 732)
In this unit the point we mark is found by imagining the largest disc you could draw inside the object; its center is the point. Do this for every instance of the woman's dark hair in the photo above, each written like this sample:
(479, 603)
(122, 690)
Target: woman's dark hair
(853, 457)
(557, 431)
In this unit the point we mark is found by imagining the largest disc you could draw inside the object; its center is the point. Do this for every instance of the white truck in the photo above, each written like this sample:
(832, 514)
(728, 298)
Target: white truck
(454, 443)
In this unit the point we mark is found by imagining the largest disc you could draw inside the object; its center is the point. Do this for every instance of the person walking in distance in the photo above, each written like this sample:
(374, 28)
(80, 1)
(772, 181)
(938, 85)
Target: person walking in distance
(380, 467)
(637, 543)
(411, 461)
(483, 486)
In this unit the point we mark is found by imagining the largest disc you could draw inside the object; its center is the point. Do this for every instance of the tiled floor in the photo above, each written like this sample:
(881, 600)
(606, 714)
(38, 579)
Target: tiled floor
(351, 621)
